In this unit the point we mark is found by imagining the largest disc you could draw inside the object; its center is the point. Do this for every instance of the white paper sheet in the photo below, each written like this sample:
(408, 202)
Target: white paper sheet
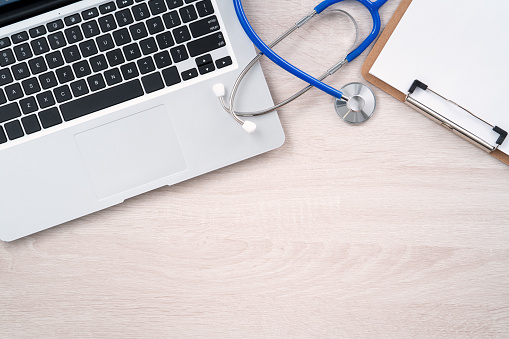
(460, 49)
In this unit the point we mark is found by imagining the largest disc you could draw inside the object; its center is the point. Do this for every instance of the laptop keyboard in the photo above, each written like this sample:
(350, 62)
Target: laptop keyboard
(101, 57)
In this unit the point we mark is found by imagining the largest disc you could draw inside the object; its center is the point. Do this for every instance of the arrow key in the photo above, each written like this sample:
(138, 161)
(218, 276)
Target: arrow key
(226, 61)
(190, 74)
(207, 69)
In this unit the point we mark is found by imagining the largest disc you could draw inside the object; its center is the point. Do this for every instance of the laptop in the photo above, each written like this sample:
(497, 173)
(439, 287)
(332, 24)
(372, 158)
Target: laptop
(101, 101)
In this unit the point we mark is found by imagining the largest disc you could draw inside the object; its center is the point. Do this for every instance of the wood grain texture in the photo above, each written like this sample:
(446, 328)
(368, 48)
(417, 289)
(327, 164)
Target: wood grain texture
(393, 229)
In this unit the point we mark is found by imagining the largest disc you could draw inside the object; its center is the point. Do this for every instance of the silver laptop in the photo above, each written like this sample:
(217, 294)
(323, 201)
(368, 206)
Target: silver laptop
(101, 101)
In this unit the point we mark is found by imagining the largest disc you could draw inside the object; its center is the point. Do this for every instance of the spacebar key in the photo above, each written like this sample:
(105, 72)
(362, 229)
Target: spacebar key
(101, 100)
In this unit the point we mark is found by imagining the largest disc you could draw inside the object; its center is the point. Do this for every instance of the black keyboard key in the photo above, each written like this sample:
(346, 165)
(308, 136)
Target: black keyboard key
(54, 59)
(204, 26)
(55, 25)
(88, 48)
(62, 93)
(206, 69)
(203, 60)
(5, 42)
(57, 40)
(50, 117)
(141, 12)
(65, 74)
(205, 8)
(19, 37)
(179, 54)
(171, 76)
(45, 99)
(165, 40)
(189, 74)
(132, 52)
(72, 19)
(163, 59)
(101, 100)
(129, 71)
(171, 19)
(148, 46)
(90, 29)
(31, 124)
(23, 52)
(107, 8)
(181, 34)
(115, 57)
(37, 32)
(98, 63)
(157, 6)
(121, 37)
(124, 17)
(40, 46)
(82, 69)
(79, 88)
(152, 82)
(28, 105)
(3, 137)
(31, 86)
(188, 14)
(124, 3)
(14, 130)
(113, 77)
(146, 65)
(90, 13)
(172, 4)
(206, 44)
(105, 42)
(14, 91)
(6, 58)
(9, 112)
(20, 71)
(138, 31)
(107, 23)
(48, 80)
(3, 98)
(73, 34)
(5, 77)
(155, 25)
(71, 54)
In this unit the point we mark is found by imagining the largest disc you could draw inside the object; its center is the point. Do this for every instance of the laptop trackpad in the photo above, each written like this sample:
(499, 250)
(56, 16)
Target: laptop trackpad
(131, 152)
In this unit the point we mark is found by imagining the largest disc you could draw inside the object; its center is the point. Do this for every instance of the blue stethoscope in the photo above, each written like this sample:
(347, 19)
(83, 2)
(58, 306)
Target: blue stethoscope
(355, 103)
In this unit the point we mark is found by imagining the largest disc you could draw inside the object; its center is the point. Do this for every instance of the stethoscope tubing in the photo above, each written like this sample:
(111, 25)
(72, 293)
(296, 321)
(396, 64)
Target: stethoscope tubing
(298, 94)
(274, 57)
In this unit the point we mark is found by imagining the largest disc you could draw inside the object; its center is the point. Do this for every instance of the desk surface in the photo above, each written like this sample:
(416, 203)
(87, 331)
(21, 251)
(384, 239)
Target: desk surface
(396, 228)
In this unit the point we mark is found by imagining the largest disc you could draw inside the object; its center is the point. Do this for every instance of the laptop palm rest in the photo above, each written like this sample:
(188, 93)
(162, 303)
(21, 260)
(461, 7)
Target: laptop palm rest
(131, 152)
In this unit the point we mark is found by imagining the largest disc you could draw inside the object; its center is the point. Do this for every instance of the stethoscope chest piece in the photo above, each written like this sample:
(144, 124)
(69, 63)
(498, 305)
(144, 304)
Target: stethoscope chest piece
(360, 105)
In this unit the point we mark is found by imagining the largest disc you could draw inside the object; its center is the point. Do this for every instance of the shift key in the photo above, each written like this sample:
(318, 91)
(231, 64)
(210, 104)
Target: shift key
(206, 44)
(9, 112)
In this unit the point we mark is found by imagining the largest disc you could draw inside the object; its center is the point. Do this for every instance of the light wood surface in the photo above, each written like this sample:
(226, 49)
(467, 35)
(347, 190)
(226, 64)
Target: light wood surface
(393, 229)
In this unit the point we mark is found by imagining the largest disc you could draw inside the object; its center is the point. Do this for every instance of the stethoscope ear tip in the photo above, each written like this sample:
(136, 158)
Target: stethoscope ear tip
(219, 90)
(249, 127)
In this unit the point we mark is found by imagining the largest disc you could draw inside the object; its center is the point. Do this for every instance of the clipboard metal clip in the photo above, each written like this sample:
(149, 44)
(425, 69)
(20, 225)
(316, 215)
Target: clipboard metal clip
(437, 117)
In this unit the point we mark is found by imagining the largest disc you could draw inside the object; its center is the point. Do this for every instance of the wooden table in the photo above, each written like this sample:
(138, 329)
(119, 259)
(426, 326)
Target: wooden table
(396, 228)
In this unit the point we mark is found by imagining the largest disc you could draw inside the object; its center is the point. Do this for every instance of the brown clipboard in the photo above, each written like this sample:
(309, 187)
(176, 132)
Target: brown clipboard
(377, 49)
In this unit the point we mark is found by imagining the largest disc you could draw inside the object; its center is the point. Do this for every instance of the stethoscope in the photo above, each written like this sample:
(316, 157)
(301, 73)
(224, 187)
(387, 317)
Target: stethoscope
(355, 103)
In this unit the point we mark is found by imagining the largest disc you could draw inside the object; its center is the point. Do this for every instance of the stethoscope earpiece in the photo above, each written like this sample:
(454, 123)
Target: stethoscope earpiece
(220, 92)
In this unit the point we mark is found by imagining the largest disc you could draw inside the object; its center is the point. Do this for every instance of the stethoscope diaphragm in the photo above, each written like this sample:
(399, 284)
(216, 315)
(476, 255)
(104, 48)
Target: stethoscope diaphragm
(360, 105)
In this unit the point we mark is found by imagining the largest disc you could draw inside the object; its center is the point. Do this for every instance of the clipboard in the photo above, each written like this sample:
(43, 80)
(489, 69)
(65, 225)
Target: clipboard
(375, 53)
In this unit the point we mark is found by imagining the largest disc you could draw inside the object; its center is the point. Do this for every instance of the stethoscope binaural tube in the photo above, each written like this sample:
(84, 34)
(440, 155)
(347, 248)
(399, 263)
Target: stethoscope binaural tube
(220, 89)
